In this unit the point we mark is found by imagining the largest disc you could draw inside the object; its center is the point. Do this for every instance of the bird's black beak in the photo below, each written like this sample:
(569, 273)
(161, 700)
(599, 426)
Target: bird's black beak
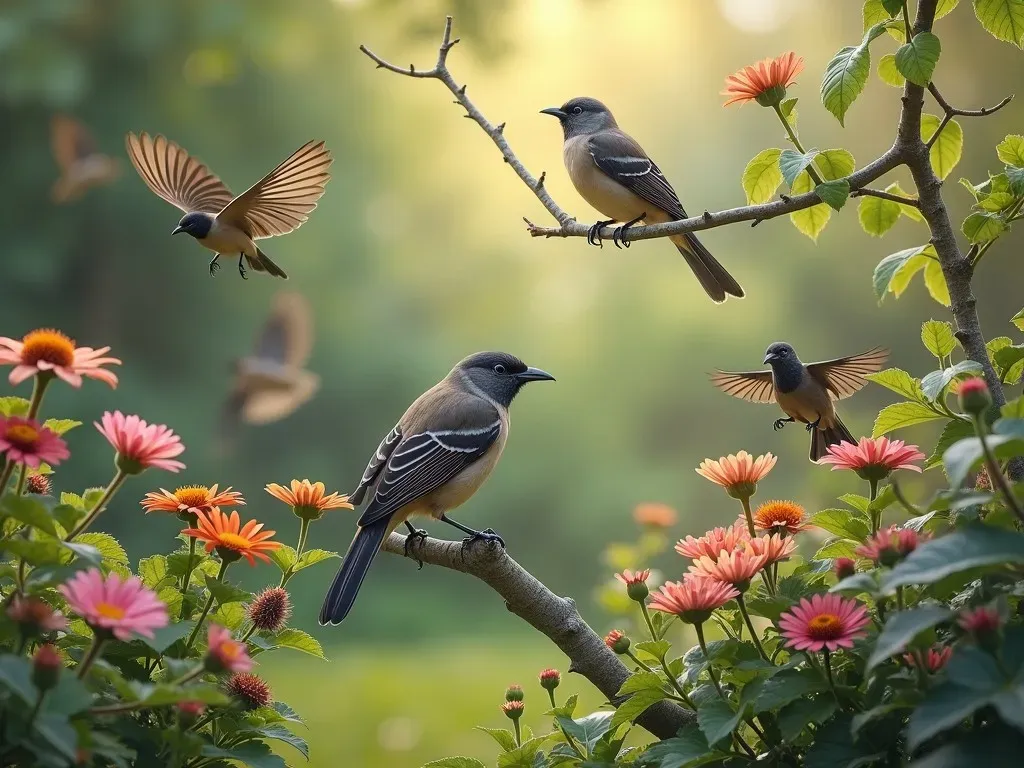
(555, 112)
(177, 229)
(768, 358)
(534, 374)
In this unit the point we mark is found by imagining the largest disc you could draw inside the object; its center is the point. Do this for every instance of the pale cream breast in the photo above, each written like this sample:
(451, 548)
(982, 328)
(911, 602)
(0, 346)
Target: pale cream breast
(229, 240)
(806, 409)
(607, 196)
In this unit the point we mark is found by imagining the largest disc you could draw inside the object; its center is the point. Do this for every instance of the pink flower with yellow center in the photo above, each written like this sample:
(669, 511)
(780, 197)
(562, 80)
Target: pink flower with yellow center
(873, 458)
(694, 598)
(738, 473)
(934, 658)
(26, 441)
(736, 568)
(140, 445)
(46, 351)
(764, 82)
(714, 541)
(824, 622)
(224, 653)
(122, 607)
(774, 548)
(230, 538)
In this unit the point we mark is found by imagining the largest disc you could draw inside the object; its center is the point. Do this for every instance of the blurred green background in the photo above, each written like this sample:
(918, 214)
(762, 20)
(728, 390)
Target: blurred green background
(418, 256)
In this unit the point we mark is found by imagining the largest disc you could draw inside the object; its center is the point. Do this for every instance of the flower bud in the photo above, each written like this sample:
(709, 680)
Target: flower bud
(844, 567)
(513, 709)
(984, 624)
(514, 693)
(270, 610)
(636, 583)
(549, 679)
(617, 641)
(249, 690)
(190, 711)
(34, 616)
(46, 666)
(39, 485)
(975, 398)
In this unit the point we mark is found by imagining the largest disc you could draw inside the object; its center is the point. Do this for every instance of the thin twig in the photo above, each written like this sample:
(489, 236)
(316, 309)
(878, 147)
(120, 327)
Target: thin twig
(949, 111)
(867, 192)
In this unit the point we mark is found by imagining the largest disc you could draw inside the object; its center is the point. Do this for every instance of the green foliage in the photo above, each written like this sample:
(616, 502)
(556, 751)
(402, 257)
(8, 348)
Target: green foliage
(762, 176)
(877, 216)
(916, 59)
(948, 147)
(894, 273)
(1003, 19)
(846, 74)
(889, 73)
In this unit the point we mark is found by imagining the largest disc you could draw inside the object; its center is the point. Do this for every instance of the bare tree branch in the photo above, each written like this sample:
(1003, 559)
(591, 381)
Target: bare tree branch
(950, 112)
(546, 612)
(866, 192)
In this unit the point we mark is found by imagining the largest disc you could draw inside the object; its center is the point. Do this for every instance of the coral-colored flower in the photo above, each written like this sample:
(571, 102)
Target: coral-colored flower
(308, 500)
(764, 82)
(738, 473)
(251, 691)
(934, 660)
(984, 619)
(224, 653)
(636, 583)
(784, 517)
(121, 606)
(191, 498)
(513, 709)
(694, 598)
(714, 542)
(844, 567)
(736, 568)
(824, 622)
(270, 609)
(890, 545)
(140, 445)
(34, 615)
(48, 351)
(191, 709)
(550, 679)
(773, 547)
(26, 441)
(873, 458)
(617, 641)
(230, 538)
(654, 515)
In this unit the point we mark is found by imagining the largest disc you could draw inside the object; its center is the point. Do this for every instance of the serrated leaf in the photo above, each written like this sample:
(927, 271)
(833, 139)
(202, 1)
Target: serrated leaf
(900, 415)
(934, 384)
(797, 715)
(792, 163)
(874, 12)
(809, 221)
(888, 73)
(877, 216)
(902, 627)
(28, 510)
(76, 501)
(1003, 19)
(762, 176)
(836, 548)
(786, 686)
(455, 762)
(718, 720)
(954, 431)
(916, 59)
(835, 164)
(636, 705)
(587, 730)
(60, 426)
(688, 749)
(945, 152)
(108, 546)
(935, 282)
(254, 754)
(639, 681)
(231, 615)
(226, 592)
(285, 736)
(299, 641)
(842, 522)
(835, 193)
(312, 557)
(1011, 150)
(788, 109)
(14, 406)
(898, 381)
(966, 548)
(944, 7)
(164, 637)
(504, 738)
(937, 337)
(846, 74)
(910, 211)
(893, 273)
(283, 557)
(982, 226)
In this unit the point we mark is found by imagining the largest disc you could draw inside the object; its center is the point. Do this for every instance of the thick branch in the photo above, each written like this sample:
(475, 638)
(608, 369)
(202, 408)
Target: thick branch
(554, 616)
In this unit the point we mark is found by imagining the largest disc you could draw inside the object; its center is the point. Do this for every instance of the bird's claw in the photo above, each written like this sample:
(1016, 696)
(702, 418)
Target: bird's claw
(214, 266)
(813, 425)
(621, 234)
(594, 233)
(487, 534)
(779, 424)
(416, 535)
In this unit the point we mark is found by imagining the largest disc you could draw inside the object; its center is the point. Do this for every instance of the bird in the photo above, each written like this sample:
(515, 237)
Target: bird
(82, 166)
(805, 393)
(275, 205)
(438, 455)
(272, 382)
(612, 172)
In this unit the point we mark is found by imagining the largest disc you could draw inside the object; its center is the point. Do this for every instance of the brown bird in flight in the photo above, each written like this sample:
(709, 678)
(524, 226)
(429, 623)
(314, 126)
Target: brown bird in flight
(805, 393)
(275, 205)
(81, 164)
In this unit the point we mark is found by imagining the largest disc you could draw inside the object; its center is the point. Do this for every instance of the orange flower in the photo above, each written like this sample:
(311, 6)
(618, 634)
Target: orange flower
(654, 515)
(764, 82)
(738, 473)
(223, 533)
(308, 500)
(46, 351)
(737, 568)
(783, 517)
(191, 498)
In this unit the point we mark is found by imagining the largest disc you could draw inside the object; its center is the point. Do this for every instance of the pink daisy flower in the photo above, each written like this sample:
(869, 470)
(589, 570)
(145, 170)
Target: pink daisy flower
(694, 598)
(140, 445)
(738, 473)
(122, 607)
(34, 614)
(824, 622)
(890, 545)
(982, 620)
(26, 441)
(773, 547)
(736, 568)
(51, 352)
(629, 578)
(224, 653)
(714, 541)
(873, 459)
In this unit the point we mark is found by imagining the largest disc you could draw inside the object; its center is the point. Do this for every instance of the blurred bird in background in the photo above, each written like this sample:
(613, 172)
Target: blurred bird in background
(612, 172)
(805, 392)
(272, 382)
(277, 204)
(81, 164)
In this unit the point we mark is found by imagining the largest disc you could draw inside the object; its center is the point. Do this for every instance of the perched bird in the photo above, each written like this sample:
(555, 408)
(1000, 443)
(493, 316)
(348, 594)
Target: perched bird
(437, 456)
(275, 205)
(805, 393)
(81, 164)
(271, 383)
(612, 172)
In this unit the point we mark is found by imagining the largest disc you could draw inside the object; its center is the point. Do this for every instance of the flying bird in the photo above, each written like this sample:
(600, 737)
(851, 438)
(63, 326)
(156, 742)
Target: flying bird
(437, 456)
(82, 166)
(272, 382)
(275, 205)
(612, 172)
(805, 392)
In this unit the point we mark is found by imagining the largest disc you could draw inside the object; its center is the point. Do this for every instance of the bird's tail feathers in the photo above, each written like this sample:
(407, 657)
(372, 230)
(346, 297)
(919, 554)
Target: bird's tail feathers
(713, 277)
(263, 263)
(821, 439)
(345, 587)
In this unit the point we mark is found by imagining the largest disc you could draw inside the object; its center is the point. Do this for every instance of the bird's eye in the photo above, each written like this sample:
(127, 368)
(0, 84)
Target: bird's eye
(499, 368)
(783, 353)
(577, 110)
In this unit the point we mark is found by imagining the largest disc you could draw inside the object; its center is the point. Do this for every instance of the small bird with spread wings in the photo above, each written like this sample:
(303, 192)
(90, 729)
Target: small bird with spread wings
(805, 392)
(82, 165)
(275, 205)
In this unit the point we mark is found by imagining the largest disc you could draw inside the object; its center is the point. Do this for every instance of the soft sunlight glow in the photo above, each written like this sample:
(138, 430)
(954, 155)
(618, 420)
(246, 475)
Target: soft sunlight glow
(757, 16)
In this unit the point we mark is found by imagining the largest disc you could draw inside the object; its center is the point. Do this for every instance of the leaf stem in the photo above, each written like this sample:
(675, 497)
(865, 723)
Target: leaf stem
(186, 579)
(568, 739)
(108, 494)
(303, 532)
(711, 669)
(796, 143)
(750, 626)
(906, 22)
(91, 655)
(647, 618)
(35, 710)
(206, 608)
(637, 661)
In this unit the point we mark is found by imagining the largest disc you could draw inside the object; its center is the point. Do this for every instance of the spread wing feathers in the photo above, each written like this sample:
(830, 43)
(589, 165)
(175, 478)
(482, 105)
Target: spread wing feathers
(287, 335)
(619, 156)
(282, 200)
(845, 375)
(267, 405)
(377, 461)
(755, 386)
(70, 141)
(423, 462)
(174, 175)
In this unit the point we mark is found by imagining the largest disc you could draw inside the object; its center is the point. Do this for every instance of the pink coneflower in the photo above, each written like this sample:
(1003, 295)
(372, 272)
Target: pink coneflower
(694, 598)
(873, 459)
(984, 619)
(773, 547)
(122, 607)
(35, 616)
(713, 542)
(191, 498)
(824, 622)
(934, 660)
(225, 654)
(783, 517)
(46, 351)
(764, 82)
(26, 441)
(738, 473)
(140, 445)
(890, 545)
(736, 568)
(654, 515)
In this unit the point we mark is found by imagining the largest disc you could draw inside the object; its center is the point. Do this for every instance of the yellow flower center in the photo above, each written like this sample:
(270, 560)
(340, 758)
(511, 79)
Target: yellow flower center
(109, 611)
(825, 626)
(233, 541)
(49, 345)
(197, 496)
(229, 650)
(22, 435)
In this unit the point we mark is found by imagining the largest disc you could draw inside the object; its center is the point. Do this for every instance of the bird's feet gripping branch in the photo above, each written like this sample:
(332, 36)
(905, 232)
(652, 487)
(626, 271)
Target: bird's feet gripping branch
(780, 423)
(621, 232)
(487, 534)
(214, 266)
(416, 536)
(594, 234)
(813, 425)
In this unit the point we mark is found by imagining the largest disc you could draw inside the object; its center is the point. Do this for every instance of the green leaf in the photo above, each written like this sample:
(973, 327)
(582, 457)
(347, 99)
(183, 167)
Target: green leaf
(312, 557)
(1016, 179)
(283, 557)
(786, 686)
(809, 221)
(797, 715)
(523, 756)
(834, 746)
(298, 640)
(937, 337)
(788, 109)
(639, 681)
(153, 572)
(654, 648)
(504, 737)
(964, 456)
(970, 547)
(836, 548)
(164, 637)
(254, 754)
(762, 176)
(635, 705)
(1011, 150)
(888, 73)
(835, 164)
(877, 216)
(843, 523)
(455, 762)
(14, 406)
(1003, 19)
(282, 734)
(835, 193)
(688, 749)
(846, 74)
(1013, 409)
(875, 12)
(934, 384)
(901, 629)
(900, 415)
(231, 615)
(893, 273)
(945, 152)
(950, 702)
(916, 59)
(28, 510)
(60, 426)
(935, 282)
(792, 163)
(225, 591)
(944, 7)
(898, 381)
(587, 730)
(955, 430)
(107, 545)
(983, 226)
(16, 676)
(910, 211)
(717, 720)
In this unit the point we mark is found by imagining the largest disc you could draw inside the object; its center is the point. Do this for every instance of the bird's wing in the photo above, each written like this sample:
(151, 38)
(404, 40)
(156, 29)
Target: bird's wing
(287, 335)
(282, 200)
(376, 464)
(70, 141)
(755, 386)
(845, 375)
(174, 175)
(619, 156)
(263, 406)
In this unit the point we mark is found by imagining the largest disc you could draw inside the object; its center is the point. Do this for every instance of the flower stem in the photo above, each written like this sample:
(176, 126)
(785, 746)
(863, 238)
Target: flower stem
(5, 476)
(750, 626)
(38, 388)
(826, 656)
(519, 735)
(796, 143)
(995, 472)
(637, 661)
(568, 739)
(22, 474)
(675, 684)
(35, 710)
(91, 655)
(899, 598)
(650, 624)
(876, 517)
(206, 609)
(108, 494)
(711, 669)
(187, 578)
(303, 532)
(745, 501)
